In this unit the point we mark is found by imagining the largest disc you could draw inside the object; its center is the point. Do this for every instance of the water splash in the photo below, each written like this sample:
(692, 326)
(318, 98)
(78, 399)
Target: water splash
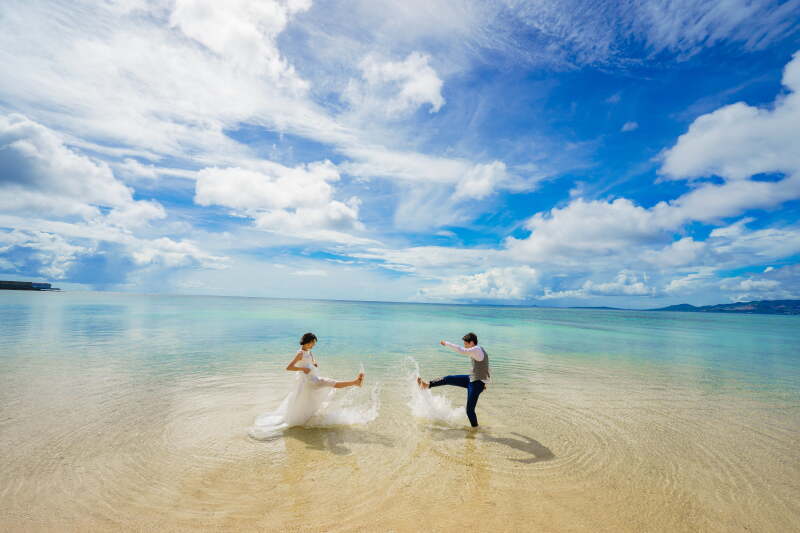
(424, 403)
(319, 407)
(354, 405)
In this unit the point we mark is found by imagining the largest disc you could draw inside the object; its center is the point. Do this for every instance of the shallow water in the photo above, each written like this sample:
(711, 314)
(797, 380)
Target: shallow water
(122, 411)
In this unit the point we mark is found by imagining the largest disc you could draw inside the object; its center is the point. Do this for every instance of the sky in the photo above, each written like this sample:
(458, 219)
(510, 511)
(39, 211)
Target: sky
(632, 153)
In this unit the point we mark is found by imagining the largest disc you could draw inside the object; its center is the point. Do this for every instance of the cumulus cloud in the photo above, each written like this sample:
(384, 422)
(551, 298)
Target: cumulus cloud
(273, 186)
(625, 283)
(57, 249)
(397, 87)
(684, 251)
(737, 143)
(508, 283)
(49, 254)
(776, 284)
(243, 33)
(34, 159)
(296, 201)
(587, 229)
(40, 174)
(482, 180)
(171, 253)
(629, 126)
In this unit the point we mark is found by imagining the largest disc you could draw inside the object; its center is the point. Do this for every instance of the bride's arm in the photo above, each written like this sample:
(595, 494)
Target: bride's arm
(300, 368)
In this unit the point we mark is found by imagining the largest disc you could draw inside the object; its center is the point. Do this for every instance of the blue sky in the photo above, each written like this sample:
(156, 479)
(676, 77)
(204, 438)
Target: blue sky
(554, 153)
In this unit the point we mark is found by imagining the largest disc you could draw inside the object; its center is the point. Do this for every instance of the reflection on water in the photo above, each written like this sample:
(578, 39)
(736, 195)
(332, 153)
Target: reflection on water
(132, 411)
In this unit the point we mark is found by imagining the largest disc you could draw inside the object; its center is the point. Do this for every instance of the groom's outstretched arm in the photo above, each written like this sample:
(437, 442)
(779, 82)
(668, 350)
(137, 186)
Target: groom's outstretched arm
(456, 348)
(473, 353)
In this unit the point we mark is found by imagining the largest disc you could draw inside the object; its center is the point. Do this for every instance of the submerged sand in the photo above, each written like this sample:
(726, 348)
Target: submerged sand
(565, 450)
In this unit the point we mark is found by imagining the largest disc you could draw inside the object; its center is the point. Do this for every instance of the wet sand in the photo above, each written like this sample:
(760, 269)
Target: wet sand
(123, 422)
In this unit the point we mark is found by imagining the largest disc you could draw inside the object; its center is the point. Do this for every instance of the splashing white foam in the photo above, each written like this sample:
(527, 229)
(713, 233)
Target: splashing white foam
(353, 406)
(424, 403)
(318, 406)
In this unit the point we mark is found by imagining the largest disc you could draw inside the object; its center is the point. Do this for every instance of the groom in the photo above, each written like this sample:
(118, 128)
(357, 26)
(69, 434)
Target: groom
(475, 382)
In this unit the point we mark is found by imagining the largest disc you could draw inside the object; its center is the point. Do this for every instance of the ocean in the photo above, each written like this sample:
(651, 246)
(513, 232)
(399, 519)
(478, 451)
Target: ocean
(121, 411)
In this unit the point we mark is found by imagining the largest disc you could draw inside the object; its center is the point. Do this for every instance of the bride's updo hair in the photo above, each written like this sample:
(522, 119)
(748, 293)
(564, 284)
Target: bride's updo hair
(306, 338)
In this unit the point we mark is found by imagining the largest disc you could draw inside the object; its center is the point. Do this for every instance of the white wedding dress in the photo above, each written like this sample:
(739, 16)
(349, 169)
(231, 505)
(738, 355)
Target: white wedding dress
(311, 392)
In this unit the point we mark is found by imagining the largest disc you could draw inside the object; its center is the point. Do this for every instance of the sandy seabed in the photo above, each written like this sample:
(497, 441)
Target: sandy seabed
(576, 454)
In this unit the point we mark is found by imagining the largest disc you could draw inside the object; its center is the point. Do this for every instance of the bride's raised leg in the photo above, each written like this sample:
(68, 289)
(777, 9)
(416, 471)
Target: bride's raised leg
(355, 383)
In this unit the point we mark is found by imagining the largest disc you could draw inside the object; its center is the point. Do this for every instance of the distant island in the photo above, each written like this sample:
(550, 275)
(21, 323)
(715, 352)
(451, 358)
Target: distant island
(26, 286)
(760, 307)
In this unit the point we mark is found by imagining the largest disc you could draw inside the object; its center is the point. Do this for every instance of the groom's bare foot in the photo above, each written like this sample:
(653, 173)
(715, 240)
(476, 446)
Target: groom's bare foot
(422, 384)
(360, 379)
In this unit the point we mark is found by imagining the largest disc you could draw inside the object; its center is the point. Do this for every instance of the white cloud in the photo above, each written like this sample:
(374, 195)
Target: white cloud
(739, 141)
(62, 244)
(34, 158)
(685, 251)
(136, 214)
(508, 283)
(272, 186)
(587, 229)
(296, 201)
(482, 180)
(39, 174)
(172, 253)
(778, 284)
(53, 254)
(736, 143)
(243, 33)
(625, 283)
(693, 282)
(397, 87)
(134, 169)
(433, 191)
(629, 126)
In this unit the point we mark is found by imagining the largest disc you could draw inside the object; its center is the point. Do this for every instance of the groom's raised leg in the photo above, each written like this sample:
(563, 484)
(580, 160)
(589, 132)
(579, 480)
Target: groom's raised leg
(457, 381)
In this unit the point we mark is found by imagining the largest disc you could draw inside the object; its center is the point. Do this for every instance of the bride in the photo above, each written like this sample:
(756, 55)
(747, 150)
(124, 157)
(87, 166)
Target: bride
(311, 392)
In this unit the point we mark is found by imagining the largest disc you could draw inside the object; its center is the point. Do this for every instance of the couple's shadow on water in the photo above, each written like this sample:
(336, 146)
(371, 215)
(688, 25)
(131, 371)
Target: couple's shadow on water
(336, 439)
(536, 451)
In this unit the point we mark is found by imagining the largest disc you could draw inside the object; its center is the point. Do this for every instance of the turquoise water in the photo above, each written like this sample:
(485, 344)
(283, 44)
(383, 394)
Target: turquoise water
(750, 354)
(175, 380)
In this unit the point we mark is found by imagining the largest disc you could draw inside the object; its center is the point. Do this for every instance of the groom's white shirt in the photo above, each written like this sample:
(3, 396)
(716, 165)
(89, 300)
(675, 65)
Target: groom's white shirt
(476, 352)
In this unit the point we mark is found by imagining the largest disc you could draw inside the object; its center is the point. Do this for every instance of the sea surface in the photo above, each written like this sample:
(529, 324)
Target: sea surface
(129, 412)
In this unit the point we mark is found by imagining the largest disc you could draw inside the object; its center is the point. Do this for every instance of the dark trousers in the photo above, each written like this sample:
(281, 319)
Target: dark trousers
(474, 389)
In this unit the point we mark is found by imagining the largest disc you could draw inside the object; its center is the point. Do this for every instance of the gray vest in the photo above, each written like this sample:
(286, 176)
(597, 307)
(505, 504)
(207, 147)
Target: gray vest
(480, 369)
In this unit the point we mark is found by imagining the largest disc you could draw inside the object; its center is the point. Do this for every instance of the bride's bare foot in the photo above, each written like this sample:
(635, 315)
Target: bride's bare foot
(360, 379)
(422, 384)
